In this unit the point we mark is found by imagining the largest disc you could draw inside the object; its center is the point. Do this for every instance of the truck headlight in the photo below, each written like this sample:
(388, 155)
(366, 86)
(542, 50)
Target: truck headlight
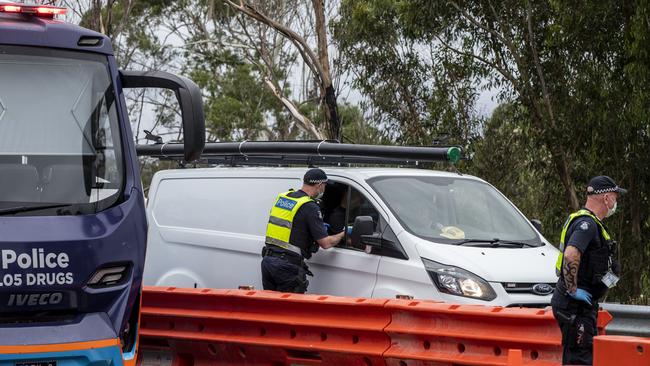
(457, 281)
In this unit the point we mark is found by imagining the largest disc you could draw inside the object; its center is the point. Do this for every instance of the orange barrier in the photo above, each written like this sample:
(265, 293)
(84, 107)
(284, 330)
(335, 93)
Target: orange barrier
(196, 327)
(621, 350)
(603, 319)
(441, 333)
(263, 327)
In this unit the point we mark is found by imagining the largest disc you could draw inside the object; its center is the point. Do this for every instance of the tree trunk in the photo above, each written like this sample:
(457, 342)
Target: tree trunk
(328, 95)
(563, 167)
(96, 21)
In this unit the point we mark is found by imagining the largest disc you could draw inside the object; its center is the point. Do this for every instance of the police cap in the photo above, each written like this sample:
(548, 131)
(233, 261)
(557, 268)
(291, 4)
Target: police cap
(315, 176)
(603, 184)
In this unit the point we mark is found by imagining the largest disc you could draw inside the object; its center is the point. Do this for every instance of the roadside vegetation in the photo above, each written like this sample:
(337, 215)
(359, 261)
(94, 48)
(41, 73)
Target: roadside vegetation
(567, 86)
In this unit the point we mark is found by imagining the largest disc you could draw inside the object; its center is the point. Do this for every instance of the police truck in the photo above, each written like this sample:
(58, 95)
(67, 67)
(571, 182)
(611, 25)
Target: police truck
(72, 212)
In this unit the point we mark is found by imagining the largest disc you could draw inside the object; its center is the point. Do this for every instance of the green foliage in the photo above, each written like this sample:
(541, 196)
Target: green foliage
(524, 169)
(417, 93)
(573, 79)
(237, 104)
(356, 129)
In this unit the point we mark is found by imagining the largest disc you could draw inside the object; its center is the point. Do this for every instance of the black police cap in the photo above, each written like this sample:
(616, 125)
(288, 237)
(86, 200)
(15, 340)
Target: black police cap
(315, 176)
(603, 184)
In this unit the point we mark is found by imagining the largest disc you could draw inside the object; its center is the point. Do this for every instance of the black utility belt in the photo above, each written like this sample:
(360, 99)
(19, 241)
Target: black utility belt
(275, 251)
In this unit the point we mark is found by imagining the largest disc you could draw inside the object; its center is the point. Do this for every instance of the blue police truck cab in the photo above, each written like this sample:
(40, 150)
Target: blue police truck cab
(72, 212)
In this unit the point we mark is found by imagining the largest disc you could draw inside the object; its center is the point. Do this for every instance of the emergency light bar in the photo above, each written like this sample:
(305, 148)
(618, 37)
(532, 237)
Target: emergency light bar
(45, 11)
(322, 152)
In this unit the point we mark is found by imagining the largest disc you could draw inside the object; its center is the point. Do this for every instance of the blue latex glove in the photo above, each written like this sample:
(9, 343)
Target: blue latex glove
(581, 295)
(349, 230)
(327, 226)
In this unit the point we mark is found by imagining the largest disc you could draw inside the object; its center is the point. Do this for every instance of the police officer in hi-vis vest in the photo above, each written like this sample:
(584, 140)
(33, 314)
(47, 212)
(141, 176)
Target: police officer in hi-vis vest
(295, 231)
(588, 267)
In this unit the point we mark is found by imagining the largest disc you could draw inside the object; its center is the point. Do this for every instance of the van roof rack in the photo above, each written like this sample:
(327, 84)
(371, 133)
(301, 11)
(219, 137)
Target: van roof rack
(326, 152)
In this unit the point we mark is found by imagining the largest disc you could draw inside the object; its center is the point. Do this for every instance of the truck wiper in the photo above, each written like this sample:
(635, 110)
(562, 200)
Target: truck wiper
(494, 243)
(18, 209)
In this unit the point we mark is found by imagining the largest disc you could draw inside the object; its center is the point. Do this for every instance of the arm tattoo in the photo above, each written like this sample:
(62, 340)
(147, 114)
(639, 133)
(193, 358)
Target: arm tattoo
(570, 271)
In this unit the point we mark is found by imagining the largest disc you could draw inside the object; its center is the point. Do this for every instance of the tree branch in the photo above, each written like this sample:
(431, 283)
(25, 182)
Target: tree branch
(505, 73)
(538, 66)
(303, 121)
(308, 55)
(474, 21)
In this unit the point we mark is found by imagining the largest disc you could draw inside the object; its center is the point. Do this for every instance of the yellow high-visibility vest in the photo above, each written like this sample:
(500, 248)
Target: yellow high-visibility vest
(278, 230)
(573, 216)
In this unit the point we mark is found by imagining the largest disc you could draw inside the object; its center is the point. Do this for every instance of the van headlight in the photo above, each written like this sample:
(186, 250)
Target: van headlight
(457, 281)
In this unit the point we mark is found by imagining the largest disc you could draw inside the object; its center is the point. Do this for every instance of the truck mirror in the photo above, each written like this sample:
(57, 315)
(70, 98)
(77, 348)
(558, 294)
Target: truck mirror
(363, 225)
(190, 101)
(537, 224)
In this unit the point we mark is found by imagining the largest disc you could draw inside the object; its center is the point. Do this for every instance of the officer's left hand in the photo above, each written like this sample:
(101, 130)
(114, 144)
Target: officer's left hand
(581, 295)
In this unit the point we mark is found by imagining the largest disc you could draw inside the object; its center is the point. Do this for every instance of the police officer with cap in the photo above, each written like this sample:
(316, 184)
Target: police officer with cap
(295, 231)
(587, 268)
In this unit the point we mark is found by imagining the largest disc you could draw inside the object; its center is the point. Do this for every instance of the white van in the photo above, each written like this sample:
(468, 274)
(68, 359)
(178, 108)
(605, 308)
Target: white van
(437, 235)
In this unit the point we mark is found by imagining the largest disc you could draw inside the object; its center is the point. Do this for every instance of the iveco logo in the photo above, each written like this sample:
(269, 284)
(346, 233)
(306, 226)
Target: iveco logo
(542, 289)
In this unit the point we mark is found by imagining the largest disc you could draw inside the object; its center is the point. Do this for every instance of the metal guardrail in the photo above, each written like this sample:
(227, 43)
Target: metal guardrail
(630, 320)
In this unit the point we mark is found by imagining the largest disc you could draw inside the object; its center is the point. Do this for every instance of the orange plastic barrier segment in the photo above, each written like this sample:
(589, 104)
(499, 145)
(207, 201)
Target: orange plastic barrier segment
(243, 326)
(621, 350)
(471, 334)
(603, 319)
(231, 327)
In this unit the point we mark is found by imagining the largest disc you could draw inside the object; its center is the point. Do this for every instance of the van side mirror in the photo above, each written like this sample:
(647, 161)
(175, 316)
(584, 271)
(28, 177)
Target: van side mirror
(190, 101)
(537, 224)
(363, 226)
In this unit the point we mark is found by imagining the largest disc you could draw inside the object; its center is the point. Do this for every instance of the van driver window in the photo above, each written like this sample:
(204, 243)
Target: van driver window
(341, 201)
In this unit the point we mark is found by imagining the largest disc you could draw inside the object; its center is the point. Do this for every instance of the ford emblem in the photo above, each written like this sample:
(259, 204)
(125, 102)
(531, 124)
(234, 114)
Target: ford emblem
(542, 289)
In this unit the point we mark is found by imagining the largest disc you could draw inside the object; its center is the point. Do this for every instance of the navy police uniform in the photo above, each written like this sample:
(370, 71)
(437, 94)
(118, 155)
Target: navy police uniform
(577, 319)
(283, 265)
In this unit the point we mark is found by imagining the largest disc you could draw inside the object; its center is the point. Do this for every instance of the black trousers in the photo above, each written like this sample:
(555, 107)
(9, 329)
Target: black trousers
(578, 326)
(279, 274)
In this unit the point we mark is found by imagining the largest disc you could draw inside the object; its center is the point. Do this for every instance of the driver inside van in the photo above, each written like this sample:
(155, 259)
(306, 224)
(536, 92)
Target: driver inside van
(336, 219)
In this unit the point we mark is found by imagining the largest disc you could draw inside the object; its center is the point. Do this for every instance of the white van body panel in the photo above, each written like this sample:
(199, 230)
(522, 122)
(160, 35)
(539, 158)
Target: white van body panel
(201, 236)
(207, 228)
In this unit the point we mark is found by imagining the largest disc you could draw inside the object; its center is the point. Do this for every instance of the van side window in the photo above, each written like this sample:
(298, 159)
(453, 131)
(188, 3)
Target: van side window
(342, 204)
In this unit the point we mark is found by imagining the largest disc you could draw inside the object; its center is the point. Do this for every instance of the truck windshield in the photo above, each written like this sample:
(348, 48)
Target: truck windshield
(455, 211)
(60, 148)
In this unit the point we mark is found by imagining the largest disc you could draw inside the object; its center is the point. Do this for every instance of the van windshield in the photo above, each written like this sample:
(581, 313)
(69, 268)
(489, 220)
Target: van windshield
(454, 210)
(60, 149)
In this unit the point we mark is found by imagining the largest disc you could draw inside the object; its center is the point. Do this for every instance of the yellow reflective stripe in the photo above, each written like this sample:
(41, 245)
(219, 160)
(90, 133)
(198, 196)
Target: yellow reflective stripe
(283, 245)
